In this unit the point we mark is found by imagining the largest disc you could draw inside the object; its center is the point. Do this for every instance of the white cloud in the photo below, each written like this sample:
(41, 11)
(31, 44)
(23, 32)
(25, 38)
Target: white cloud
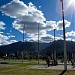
(11, 36)
(3, 38)
(39, 6)
(60, 25)
(70, 39)
(17, 9)
(29, 27)
(11, 41)
(32, 39)
(43, 37)
(14, 9)
(30, 16)
(59, 38)
(50, 25)
(72, 33)
(2, 25)
(47, 38)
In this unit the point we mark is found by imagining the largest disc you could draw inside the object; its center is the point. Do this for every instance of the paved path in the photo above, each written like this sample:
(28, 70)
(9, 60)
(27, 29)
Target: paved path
(59, 67)
(5, 65)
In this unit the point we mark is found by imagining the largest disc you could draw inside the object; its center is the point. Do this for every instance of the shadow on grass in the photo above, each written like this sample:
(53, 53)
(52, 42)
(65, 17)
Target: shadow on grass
(62, 73)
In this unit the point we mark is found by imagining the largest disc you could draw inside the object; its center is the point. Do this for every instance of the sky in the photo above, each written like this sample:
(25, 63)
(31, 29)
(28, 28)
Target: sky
(16, 15)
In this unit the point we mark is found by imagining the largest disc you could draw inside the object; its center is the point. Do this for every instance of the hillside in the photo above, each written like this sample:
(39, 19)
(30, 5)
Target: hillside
(32, 47)
(18, 46)
(59, 47)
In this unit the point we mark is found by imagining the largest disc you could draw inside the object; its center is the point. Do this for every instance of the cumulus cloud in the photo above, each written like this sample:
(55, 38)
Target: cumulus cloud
(47, 38)
(28, 17)
(50, 38)
(50, 25)
(11, 41)
(43, 37)
(72, 33)
(60, 25)
(4, 40)
(17, 9)
(68, 39)
(59, 38)
(14, 9)
(2, 25)
(29, 27)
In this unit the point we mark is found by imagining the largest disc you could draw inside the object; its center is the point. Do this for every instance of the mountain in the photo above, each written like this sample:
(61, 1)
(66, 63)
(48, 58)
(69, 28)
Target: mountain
(59, 47)
(32, 47)
(19, 46)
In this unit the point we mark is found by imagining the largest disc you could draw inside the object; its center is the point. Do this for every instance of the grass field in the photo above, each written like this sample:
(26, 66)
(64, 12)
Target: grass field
(21, 69)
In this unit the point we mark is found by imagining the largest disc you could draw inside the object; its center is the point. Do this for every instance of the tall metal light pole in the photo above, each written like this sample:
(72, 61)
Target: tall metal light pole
(54, 50)
(23, 44)
(38, 43)
(65, 51)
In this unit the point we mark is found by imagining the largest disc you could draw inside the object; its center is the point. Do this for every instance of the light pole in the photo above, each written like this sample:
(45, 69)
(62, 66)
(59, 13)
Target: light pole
(72, 49)
(65, 51)
(23, 44)
(38, 43)
(55, 61)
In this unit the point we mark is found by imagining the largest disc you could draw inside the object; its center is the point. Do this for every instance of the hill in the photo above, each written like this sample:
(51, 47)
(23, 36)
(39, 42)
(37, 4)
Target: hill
(59, 47)
(18, 46)
(32, 47)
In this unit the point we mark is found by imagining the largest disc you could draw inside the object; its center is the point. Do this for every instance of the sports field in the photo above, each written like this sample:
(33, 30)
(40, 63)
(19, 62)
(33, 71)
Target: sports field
(15, 67)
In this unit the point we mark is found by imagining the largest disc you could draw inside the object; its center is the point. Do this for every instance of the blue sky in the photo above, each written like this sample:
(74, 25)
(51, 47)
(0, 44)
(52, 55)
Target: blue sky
(15, 14)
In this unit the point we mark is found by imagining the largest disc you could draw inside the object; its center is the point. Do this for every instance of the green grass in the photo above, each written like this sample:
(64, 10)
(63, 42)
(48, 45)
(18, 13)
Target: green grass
(21, 69)
(18, 66)
(37, 72)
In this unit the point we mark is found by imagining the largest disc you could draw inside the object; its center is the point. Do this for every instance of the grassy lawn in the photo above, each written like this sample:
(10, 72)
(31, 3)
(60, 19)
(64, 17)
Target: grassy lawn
(21, 69)
(17, 66)
(36, 72)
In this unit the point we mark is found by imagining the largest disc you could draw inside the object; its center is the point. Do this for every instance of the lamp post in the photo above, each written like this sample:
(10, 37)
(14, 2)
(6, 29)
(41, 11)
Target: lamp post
(23, 44)
(38, 43)
(55, 61)
(65, 51)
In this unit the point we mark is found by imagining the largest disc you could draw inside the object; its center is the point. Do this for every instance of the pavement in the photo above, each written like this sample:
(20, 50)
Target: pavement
(58, 67)
(5, 65)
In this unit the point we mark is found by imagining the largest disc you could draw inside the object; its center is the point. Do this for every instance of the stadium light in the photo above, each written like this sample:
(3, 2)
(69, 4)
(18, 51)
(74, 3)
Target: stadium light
(65, 51)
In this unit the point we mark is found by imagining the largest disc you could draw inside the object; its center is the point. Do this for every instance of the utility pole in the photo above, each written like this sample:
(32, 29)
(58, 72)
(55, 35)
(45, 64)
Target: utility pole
(55, 60)
(23, 44)
(38, 43)
(65, 51)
